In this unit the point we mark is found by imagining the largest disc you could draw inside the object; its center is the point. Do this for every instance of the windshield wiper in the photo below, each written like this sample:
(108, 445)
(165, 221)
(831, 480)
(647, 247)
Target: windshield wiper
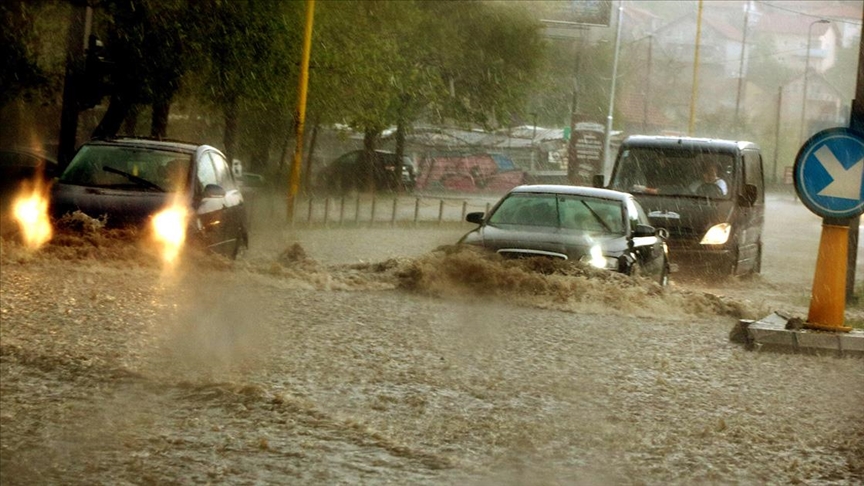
(596, 216)
(133, 178)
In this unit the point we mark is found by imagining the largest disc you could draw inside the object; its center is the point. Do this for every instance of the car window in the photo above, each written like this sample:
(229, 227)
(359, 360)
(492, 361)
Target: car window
(527, 209)
(206, 172)
(591, 214)
(635, 214)
(113, 166)
(753, 171)
(223, 172)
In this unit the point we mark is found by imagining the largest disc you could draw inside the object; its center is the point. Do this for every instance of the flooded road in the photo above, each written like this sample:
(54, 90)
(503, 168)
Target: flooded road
(362, 356)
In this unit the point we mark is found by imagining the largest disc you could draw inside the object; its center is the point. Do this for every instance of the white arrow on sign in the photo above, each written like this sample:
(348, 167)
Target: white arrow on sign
(846, 183)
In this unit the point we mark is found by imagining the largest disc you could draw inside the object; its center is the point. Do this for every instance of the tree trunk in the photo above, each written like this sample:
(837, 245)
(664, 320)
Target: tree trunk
(159, 121)
(370, 141)
(307, 174)
(229, 138)
(130, 123)
(118, 109)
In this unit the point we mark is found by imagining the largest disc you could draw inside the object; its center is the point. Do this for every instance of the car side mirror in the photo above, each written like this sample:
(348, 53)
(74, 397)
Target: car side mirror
(214, 190)
(597, 181)
(476, 218)
(643, 230)
(750, 196)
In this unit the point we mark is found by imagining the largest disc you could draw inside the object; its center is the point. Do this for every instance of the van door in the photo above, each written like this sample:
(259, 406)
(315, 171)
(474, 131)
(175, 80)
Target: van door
(752, 217)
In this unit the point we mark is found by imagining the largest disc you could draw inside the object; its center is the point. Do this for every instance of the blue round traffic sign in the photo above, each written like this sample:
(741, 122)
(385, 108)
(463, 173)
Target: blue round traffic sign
(828, 173)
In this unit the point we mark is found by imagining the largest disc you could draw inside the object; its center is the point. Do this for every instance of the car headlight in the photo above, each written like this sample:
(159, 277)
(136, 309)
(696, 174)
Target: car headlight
(717, 234)
(597, 260)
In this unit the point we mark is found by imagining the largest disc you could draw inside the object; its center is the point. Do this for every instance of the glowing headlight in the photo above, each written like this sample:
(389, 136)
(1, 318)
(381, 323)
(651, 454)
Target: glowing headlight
(597, 260)
(717, 234)
(169, 227)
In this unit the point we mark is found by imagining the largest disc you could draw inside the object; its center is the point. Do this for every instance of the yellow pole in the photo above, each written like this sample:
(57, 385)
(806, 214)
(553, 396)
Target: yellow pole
(828, 302)
(695, 72)
(296, 163)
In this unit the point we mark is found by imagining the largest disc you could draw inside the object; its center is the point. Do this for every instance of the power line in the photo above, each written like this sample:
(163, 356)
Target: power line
(805, 14)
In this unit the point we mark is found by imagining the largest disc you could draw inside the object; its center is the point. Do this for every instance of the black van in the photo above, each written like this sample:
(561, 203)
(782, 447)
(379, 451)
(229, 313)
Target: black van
(709, 194)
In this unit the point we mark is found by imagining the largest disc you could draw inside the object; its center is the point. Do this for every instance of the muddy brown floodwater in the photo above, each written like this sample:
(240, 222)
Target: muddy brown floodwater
(363, 356)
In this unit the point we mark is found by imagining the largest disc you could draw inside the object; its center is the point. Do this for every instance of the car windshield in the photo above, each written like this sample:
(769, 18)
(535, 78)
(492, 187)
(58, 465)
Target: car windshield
(562, 211)
(674, 172)
(114, 166)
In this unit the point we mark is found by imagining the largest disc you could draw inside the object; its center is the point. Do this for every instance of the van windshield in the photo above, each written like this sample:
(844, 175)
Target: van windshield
(674, 172)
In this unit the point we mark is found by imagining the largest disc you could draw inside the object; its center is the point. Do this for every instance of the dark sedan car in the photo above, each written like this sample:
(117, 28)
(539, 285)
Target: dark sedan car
(349, 172)
(129, 180)
(607, 229)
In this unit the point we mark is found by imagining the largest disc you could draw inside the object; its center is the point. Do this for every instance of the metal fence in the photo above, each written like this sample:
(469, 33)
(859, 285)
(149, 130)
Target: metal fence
(372, 210)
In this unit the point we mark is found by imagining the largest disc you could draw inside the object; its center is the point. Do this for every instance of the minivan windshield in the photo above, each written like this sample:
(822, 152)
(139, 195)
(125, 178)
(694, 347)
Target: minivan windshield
(674, 172)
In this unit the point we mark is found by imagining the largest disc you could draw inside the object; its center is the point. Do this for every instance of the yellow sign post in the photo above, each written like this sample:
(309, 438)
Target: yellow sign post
(300, 116)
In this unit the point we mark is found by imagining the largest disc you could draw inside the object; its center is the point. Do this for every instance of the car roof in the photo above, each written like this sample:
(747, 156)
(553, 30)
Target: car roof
(690, 143)
(33, 153)
(571, 190)
(151, 143)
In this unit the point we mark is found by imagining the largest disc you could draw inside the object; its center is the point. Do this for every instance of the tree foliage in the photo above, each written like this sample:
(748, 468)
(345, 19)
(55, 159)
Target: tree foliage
(375, 63)
(20, 67)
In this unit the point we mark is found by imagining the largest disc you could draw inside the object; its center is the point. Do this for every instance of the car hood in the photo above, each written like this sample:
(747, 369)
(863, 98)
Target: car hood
(574, 244)
(121, 206)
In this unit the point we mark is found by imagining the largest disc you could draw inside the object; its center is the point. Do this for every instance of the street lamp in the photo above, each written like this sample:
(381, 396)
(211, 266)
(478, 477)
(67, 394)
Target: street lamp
(806, 75)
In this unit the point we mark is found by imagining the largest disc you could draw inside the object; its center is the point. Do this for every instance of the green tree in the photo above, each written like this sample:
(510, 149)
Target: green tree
(17, 54)
(248, 67)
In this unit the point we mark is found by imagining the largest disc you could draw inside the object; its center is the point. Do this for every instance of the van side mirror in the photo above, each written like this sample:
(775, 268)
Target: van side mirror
(597, 181)
(476, 218)
(750, 195)
(214, 190)
(643, 230)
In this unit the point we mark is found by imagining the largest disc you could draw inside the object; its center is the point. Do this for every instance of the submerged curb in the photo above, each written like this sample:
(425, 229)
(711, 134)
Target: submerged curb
(776, 333)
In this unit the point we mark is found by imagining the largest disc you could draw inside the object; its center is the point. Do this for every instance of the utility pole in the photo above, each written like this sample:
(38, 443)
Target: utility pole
(647, 85)
(741, 64)
(607, 140)
(693, 93)
(856, 124)
(806, 77)
(777, 132)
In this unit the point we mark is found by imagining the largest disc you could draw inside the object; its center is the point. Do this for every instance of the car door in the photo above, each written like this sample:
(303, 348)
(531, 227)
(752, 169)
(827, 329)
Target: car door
(211, 203)
(752, 215)
(234, 210)
(648, 250)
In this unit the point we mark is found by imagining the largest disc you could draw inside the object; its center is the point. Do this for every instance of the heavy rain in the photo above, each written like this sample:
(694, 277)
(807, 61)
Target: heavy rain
(337, 333)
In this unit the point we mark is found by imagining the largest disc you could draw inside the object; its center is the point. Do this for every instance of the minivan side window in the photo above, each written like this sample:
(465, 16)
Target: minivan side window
(753, 171)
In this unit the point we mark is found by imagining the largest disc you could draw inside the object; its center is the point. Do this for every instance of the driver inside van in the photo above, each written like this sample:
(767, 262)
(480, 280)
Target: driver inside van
(710, 183)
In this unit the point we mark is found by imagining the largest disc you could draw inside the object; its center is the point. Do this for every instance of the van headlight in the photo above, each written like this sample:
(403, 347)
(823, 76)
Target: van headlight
(717, 234)
(597, 260)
